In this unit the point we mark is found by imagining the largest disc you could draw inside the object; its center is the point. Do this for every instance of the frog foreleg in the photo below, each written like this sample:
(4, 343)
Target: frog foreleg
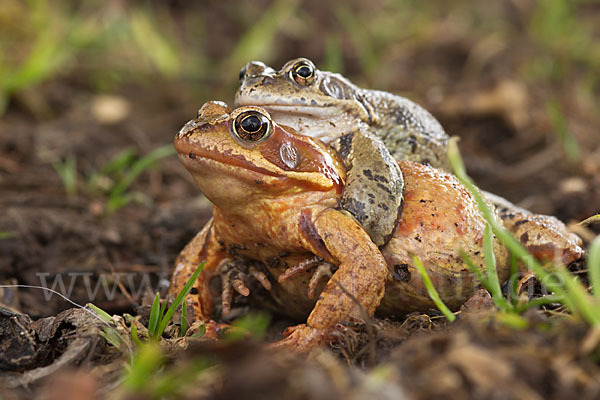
(356, 288)
(374, 184)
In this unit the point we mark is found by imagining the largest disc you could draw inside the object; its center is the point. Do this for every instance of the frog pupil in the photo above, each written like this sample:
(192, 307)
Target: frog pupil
(304, 71)
(251, 123)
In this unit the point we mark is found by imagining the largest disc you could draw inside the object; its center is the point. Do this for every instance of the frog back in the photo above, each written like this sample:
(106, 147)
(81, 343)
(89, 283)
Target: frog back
(408, 130)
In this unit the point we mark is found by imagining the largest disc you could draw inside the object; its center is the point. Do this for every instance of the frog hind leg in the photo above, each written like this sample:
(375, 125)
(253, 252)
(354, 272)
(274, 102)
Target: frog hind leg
(546, 237)
(374, 184)
(355, 289)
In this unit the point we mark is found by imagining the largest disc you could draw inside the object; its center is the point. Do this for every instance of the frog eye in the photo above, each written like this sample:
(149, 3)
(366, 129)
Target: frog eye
(303, 73)
(252, 126)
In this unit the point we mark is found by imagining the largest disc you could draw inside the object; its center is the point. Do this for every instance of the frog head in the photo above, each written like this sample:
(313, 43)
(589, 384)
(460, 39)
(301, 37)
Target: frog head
(240, 156)
(319, 103)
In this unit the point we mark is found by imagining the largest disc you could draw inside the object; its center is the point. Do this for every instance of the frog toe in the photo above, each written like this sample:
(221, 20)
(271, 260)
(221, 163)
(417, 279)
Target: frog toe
(301, 339)
(300, 267)
(230, 282)
(260, 276)
(235, 277)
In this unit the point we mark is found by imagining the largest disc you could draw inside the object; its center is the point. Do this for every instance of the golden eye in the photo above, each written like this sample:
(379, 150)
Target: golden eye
(252, 126)
(303, 73)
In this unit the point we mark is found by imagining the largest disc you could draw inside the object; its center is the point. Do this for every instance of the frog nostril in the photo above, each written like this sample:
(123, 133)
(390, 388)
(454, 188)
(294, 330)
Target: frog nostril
(243, 73)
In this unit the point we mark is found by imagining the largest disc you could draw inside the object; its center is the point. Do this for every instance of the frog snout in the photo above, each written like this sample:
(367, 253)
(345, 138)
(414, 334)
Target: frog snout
(243, 72)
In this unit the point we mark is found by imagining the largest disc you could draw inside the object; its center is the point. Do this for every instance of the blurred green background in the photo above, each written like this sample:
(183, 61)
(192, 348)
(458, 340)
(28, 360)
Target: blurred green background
(393, 45)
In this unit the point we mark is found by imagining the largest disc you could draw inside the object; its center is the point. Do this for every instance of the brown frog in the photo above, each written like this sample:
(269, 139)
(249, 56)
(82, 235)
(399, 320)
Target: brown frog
(369, 129)
(276, 194)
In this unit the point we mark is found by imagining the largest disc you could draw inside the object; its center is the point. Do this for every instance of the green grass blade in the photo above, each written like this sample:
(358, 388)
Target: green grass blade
(104, 316)
(579, 297)
(475, 270)
(492, 273)
(163, 305)
(183, 318)
(514, 270)
(590, 220)
(119, 162)
(571, 292)
(118, 197)
(111, 336)
(433, 294)
(147, 360)
(140, 166)
(155, 314)
(134, 336)
(131, 320)
(540, 301)
(178, 301)
(488, 284)
(594, 266)
(67, 171)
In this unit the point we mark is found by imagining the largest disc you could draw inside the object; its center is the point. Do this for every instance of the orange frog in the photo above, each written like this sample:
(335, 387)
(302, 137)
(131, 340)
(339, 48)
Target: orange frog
(276, 196)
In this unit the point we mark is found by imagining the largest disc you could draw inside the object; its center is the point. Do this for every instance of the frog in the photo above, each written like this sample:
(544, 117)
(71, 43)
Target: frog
(370, 129)
(276, 194)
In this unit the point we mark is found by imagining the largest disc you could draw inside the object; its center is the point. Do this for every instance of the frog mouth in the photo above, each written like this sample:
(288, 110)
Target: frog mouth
(200, 159)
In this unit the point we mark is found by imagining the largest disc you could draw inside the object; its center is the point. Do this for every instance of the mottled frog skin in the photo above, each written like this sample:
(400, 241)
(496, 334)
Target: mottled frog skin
(369, 129)
(276, 193)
